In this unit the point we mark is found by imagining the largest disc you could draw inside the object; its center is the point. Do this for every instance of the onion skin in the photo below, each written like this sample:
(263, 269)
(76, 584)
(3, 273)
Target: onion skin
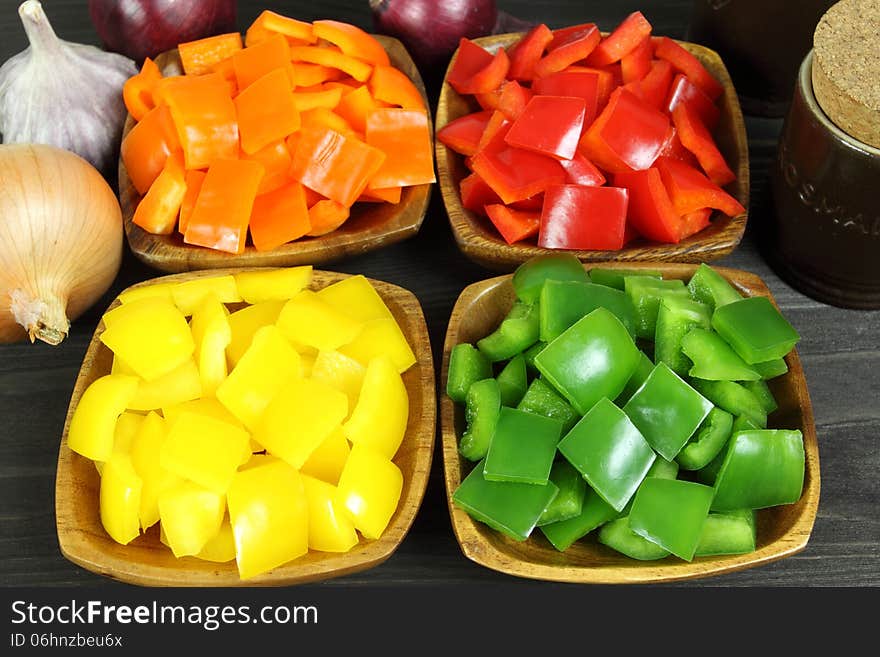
(60, 241)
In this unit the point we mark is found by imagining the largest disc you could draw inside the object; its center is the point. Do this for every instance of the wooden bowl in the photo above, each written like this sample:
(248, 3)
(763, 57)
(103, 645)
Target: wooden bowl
(480, 241)
(782, 530)
(370, 226)
(145, 561)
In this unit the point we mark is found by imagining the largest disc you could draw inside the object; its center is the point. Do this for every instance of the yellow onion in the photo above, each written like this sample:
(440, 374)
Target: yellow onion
(60, 240)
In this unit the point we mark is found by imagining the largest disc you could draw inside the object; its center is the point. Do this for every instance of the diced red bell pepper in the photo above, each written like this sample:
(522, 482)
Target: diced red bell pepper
(463, 134)
(550, 125)
(490, 78)
(580, 171)
(650, 208)
(683, 90)
(476, 194)
(693, 222)
(676, 150)
(477, 71)
(564, 34)
(528, 51)
(510, 99)
(588, 218)
(575, 47)
(685, 62)
(696, 138)
(534, 203)
(636, 64)
(578, 83)
(496, 122)
(622, 40)
(654, 86)
(514, 225)
(690, 190)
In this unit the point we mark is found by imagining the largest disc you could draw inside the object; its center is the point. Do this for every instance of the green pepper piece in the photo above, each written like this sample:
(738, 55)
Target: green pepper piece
(565, 302)
(569, 501)
(671, 513)
(639, 376)
(710, 287)
(482, 407)
(770, 369)
(645, 293)
(660, 468)
(592, 359)
(675, 317)
(764, 395)
(518, 331)
(529, 277)
(734, 532)
(615, 277)
(610, 453)
(510, 508)
(466, 366)
(733, 398)
(594, 512)
(618, 535)
(530, 353)
(667, 411)
(709, 473)
(542, 399)
(755, 329)
(522, 448)
(713, 359)
(513, 381)
(709, 440)
(762, 468)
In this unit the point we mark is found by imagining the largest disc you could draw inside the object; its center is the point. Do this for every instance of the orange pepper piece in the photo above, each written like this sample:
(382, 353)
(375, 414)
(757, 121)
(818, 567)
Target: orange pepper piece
(352, 40)
(158, 210)
(255, 61)
(303, 74)
(405, 138)
(194, 180)
(220, 217)
(393, 86)
(307, 100)
(386, 195)
(147, 146)
(227, 70)
(326, 216)
(200, 56)
(279, 217)
(267, 111)
(334, 165)
(275, 159)
(355, 106)
(269, 23)
(334, 58)
(321, 116)
(137, 92)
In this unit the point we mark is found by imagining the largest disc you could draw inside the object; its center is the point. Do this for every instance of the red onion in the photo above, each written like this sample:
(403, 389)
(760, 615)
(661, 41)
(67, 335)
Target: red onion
(144, 28)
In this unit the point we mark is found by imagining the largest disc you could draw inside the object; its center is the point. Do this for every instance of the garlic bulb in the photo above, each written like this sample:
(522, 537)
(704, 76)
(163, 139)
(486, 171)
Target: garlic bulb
(63, 94)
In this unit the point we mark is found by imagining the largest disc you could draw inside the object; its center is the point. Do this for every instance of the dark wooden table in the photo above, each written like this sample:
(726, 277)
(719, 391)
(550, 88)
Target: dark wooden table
(838, 348)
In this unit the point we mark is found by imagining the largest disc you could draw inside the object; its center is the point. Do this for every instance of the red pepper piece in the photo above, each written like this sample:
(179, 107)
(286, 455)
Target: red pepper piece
(685, 62)
(675, 149)
(655, 85)
(578, 83)
(696, 138)
(469, 60)
(510, 99)
(622, 40)
(463, 134)
(514, 225)
(693, 222)
(628, 135)
(562, 35)
(495, 123)
(606, 83)
(575, 47)
(550, 125)
(690, 190)
(580, 171)
(685, 91)
(527, 51)
(534, 203)
(650, 208)
(476, 194)
(588, 218)
(489, 78)
(636, 64)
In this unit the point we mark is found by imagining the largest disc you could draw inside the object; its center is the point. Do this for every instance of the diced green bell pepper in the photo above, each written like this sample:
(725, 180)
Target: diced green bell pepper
(562, 303)
(522, 448)
(675, 317)
(542, 399)
(615, 277)
(708, 442)
(734, 532)
(770, 369)
(639, 376)
(529, 277)
(530, 353)
(618, 535)
(713, 359)
(709, 473)
(755, 329)
(569, 501)
(710, 287)
(762, 392)
(482, 407)
(518, 331)
(733, 398)
(466, 366)
(513, 381)
(660, 468)
(645, 293)
(594, 513)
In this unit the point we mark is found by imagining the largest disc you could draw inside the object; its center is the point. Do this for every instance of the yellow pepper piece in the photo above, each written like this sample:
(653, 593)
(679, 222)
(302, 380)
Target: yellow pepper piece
(120, 499)
(212, 408)
(211, 333)
(94, 420)
(356, 297)
(150, 335)
(204, 450)
(189, 294)
(379, 419)
(220, 548)
(118, 366)
(307, 359)
(269, 516)
(341, 372)
(179, 385)
(190, 516)
(328, 459)
(244, 323)
(308, 320)
(257, 460)
(381, 336)
(369, 489)
(330, 528)
(146, 291)
(123, 434)
(146, 449)
(299, 418)
(273, 284)
(268, 364)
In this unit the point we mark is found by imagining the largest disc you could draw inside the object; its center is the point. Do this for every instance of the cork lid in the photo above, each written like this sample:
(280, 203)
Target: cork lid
(846, 68)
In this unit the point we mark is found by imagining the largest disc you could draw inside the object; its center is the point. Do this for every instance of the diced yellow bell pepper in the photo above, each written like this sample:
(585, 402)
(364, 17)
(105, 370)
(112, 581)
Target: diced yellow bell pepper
(369, 489)
(245, 323)
(146, 449)
(181, 384)
(212, 408)
(145, 291)
(118, 366)
(190, 515)
(308, 320)
(120, 499)
(299, 418)
(328, 459)
(93, 423)
(378, 337)
(273, 284)
(221, 547)
(268, 364)
(269, 516)
(204, 450)
(257, 460)
(189, 294)
(330, 528)
(307, 361)
(379, 419)
(150, 335)
(123, 434)
(356, 297)
(341, 372)
(211, 334)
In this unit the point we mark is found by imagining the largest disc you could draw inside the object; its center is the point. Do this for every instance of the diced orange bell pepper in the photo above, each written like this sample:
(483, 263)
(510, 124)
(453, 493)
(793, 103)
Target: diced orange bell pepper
(325, 216)
(227, 70)
(323, 117)
(269, 23)
(385, 195)
(279, 217)
(334, 165)
(267, 111)
(194, 180)
(405, 138)
(137, 92)
(334, 58)
(392, 85)
(147, 146)
(352, 40)
(158, 210)
(255, 61)
(310, 98)
(355, 106)
(275, 159)
(220, 217)
(201, 55)
(303, 74)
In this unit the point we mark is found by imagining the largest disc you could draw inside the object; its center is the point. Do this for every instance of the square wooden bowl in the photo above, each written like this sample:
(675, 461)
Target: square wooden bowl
(147, 562)
(480, 241)
(370, 226)
(782, 530)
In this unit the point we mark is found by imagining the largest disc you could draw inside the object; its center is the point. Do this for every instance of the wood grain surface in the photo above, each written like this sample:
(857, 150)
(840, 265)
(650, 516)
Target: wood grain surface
(838, 350)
